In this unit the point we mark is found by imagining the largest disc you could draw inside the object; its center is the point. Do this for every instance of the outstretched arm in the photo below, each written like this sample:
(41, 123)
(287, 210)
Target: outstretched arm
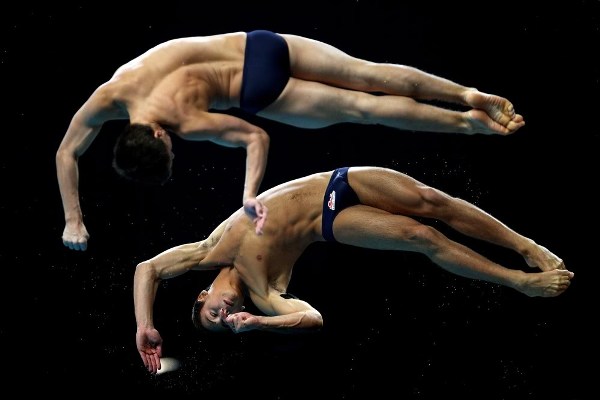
(82, 131)
(148, 274)
(284, 316)
(230, 131)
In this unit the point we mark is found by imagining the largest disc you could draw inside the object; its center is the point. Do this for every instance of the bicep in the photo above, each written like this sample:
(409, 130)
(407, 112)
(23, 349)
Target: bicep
(88, 120)
(79, 136)
(222, 129)
(176, 261)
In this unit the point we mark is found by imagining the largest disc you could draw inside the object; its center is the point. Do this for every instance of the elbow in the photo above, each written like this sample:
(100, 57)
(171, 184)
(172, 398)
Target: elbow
(316, 321)
(63, 155)
(145, 269)
(263, 138)
(141, 268)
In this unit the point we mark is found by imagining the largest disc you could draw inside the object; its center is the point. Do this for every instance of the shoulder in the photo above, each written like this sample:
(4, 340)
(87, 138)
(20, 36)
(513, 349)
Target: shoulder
(106, 93)
(229, 234)
(104, 104)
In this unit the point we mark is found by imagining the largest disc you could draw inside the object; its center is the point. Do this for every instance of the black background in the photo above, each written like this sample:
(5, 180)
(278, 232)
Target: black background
(395, 324)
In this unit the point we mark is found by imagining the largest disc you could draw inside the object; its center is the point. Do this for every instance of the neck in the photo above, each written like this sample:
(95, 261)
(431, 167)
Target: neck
(230, 278)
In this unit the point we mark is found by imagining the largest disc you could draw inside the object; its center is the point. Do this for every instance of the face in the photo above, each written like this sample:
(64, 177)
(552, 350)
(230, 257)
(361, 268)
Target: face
(217, 306)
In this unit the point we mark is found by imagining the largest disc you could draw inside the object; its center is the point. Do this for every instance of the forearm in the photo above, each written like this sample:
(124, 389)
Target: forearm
(256, 163)
(166, 265)
(298, 322)
(68, 178)
(145, 285)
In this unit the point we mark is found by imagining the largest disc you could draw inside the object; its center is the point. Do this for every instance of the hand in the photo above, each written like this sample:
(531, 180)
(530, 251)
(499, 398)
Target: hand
(149, 345)
(75, 236)
(257, 213)
(241, 322)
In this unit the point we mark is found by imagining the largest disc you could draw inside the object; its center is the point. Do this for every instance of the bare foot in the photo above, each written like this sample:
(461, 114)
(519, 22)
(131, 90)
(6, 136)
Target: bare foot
(542, 258)
(546, 284)
(482, 123)
(493, 113)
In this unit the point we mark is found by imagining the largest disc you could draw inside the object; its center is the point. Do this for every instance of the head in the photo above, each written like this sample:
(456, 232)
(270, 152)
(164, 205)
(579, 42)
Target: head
(214, 304)
(143, 153)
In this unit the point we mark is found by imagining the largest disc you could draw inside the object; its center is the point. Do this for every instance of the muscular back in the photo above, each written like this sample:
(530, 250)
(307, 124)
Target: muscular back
(180, 76)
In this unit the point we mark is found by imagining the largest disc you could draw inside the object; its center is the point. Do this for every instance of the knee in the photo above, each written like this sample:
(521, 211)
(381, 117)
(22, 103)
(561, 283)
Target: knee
(360, 108)
(434, 201)
(423, 238)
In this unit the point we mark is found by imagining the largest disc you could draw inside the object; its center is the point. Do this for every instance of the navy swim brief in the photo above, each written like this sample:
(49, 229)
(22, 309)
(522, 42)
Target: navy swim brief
(338, 196)
(266, 70)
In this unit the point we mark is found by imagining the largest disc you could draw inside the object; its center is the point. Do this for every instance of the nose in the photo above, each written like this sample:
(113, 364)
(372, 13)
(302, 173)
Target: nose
(223, 316)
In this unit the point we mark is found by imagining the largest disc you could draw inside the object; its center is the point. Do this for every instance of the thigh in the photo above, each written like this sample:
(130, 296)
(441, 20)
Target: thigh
(318, 61)
(391, 191)
(309, 104)
(372, 228)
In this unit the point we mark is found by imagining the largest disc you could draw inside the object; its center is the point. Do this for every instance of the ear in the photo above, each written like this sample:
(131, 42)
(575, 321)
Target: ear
(158, 133)
(202, 295)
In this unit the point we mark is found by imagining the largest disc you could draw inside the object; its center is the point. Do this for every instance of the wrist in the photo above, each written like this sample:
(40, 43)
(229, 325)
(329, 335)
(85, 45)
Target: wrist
(145, 326)
(260, 323)
(73, 218)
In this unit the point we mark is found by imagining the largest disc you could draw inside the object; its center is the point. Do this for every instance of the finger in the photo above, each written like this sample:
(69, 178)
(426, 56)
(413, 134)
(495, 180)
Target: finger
(150, 366)
(154, 364)
(75, 246)
(261, 223)
(144, 359)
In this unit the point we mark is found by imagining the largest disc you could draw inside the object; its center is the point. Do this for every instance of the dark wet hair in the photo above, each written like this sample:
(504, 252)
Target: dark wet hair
(140, 157)
(198, 304)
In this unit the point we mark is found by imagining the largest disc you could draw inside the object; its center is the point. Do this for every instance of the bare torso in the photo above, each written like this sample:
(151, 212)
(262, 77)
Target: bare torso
(179, 78)
(265, 262)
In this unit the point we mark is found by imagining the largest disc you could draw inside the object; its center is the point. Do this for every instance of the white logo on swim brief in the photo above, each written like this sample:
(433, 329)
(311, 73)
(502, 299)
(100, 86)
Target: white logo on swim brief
(331, 202)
